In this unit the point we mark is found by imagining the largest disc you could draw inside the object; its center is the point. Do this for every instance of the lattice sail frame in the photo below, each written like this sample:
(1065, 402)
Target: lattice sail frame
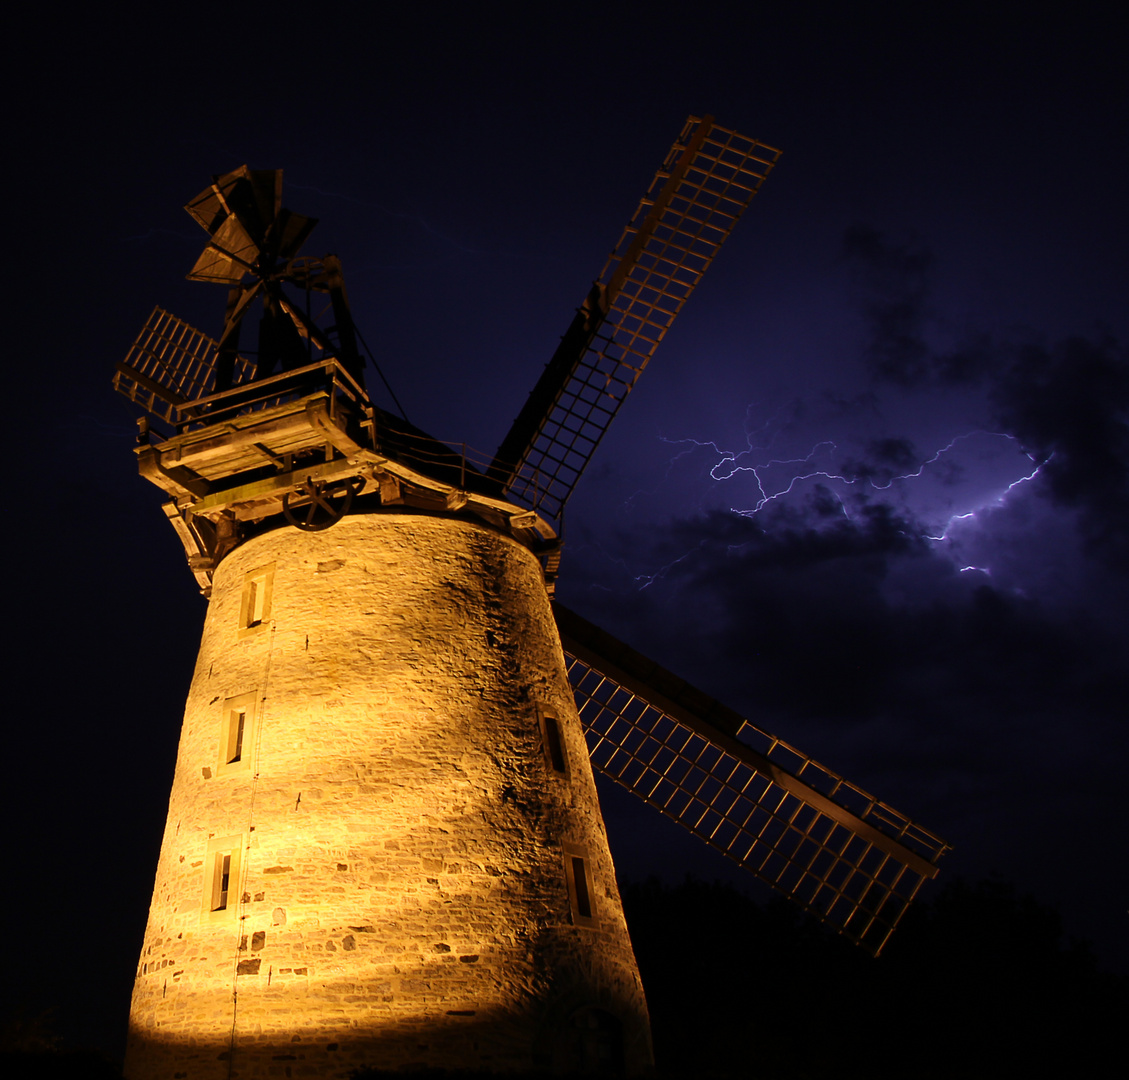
(171, 364)
(707, 180)
(853, 861)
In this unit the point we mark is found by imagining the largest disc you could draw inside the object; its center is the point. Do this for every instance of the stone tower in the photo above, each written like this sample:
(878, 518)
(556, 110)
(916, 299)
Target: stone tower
(384, 844)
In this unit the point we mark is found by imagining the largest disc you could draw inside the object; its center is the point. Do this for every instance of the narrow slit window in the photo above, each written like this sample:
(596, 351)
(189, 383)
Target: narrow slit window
(556, 747)
(553, 739)
(221, 879)
(235, 737)
(237, 734)
(580, 879)
(255, 604)
(580, 893)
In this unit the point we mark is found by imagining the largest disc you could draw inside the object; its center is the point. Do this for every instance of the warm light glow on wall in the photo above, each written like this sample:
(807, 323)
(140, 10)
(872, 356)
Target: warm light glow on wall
(403, 869)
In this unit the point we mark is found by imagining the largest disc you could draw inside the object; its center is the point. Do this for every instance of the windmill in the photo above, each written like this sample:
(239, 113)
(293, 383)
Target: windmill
(384, 844)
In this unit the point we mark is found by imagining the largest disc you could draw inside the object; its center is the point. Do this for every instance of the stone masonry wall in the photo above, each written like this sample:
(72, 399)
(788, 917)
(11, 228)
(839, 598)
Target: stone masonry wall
(396, 825)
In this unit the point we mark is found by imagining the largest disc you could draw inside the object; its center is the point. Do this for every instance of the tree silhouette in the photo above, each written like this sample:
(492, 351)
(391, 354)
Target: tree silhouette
(978, 983)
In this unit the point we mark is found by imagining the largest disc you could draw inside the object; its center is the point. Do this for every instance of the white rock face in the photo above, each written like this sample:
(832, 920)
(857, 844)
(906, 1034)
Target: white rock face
(370, 858)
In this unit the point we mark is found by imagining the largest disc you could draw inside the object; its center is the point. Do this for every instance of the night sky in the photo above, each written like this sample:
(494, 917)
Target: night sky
(873, 492)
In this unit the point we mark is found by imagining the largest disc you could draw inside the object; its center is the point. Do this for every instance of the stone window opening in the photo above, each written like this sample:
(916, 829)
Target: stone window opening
(235, 737)
(581, 895)
(255, 603)
(221, 879)
(553, 740)
(237, 734)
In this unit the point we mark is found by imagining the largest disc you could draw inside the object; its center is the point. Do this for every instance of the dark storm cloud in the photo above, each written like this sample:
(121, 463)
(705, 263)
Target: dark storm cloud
(893, 284)
(1069, 407)
(848, 619)
(894, 281)
(885, 459)
(1066, 404)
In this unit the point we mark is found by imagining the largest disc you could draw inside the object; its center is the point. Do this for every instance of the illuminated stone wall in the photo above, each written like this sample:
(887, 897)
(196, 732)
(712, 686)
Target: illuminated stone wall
(395, 822)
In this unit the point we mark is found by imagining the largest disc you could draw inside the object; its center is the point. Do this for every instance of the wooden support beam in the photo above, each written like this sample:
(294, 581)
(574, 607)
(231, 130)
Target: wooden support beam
(271, 486)
(176, 480)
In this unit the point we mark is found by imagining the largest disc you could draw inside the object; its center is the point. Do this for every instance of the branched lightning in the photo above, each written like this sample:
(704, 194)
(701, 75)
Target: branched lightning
(949, 524)
(650, 579)
(999, 500)
(797, 470)
(730, 465)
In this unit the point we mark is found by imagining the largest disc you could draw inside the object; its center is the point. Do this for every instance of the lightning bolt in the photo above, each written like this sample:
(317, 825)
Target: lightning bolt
(754, 463)
(646, 580)
(999, 501)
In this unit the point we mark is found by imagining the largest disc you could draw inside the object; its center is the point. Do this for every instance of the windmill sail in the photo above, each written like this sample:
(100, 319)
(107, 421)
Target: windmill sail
(171, 365)
(822, 841)
(710, 175)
